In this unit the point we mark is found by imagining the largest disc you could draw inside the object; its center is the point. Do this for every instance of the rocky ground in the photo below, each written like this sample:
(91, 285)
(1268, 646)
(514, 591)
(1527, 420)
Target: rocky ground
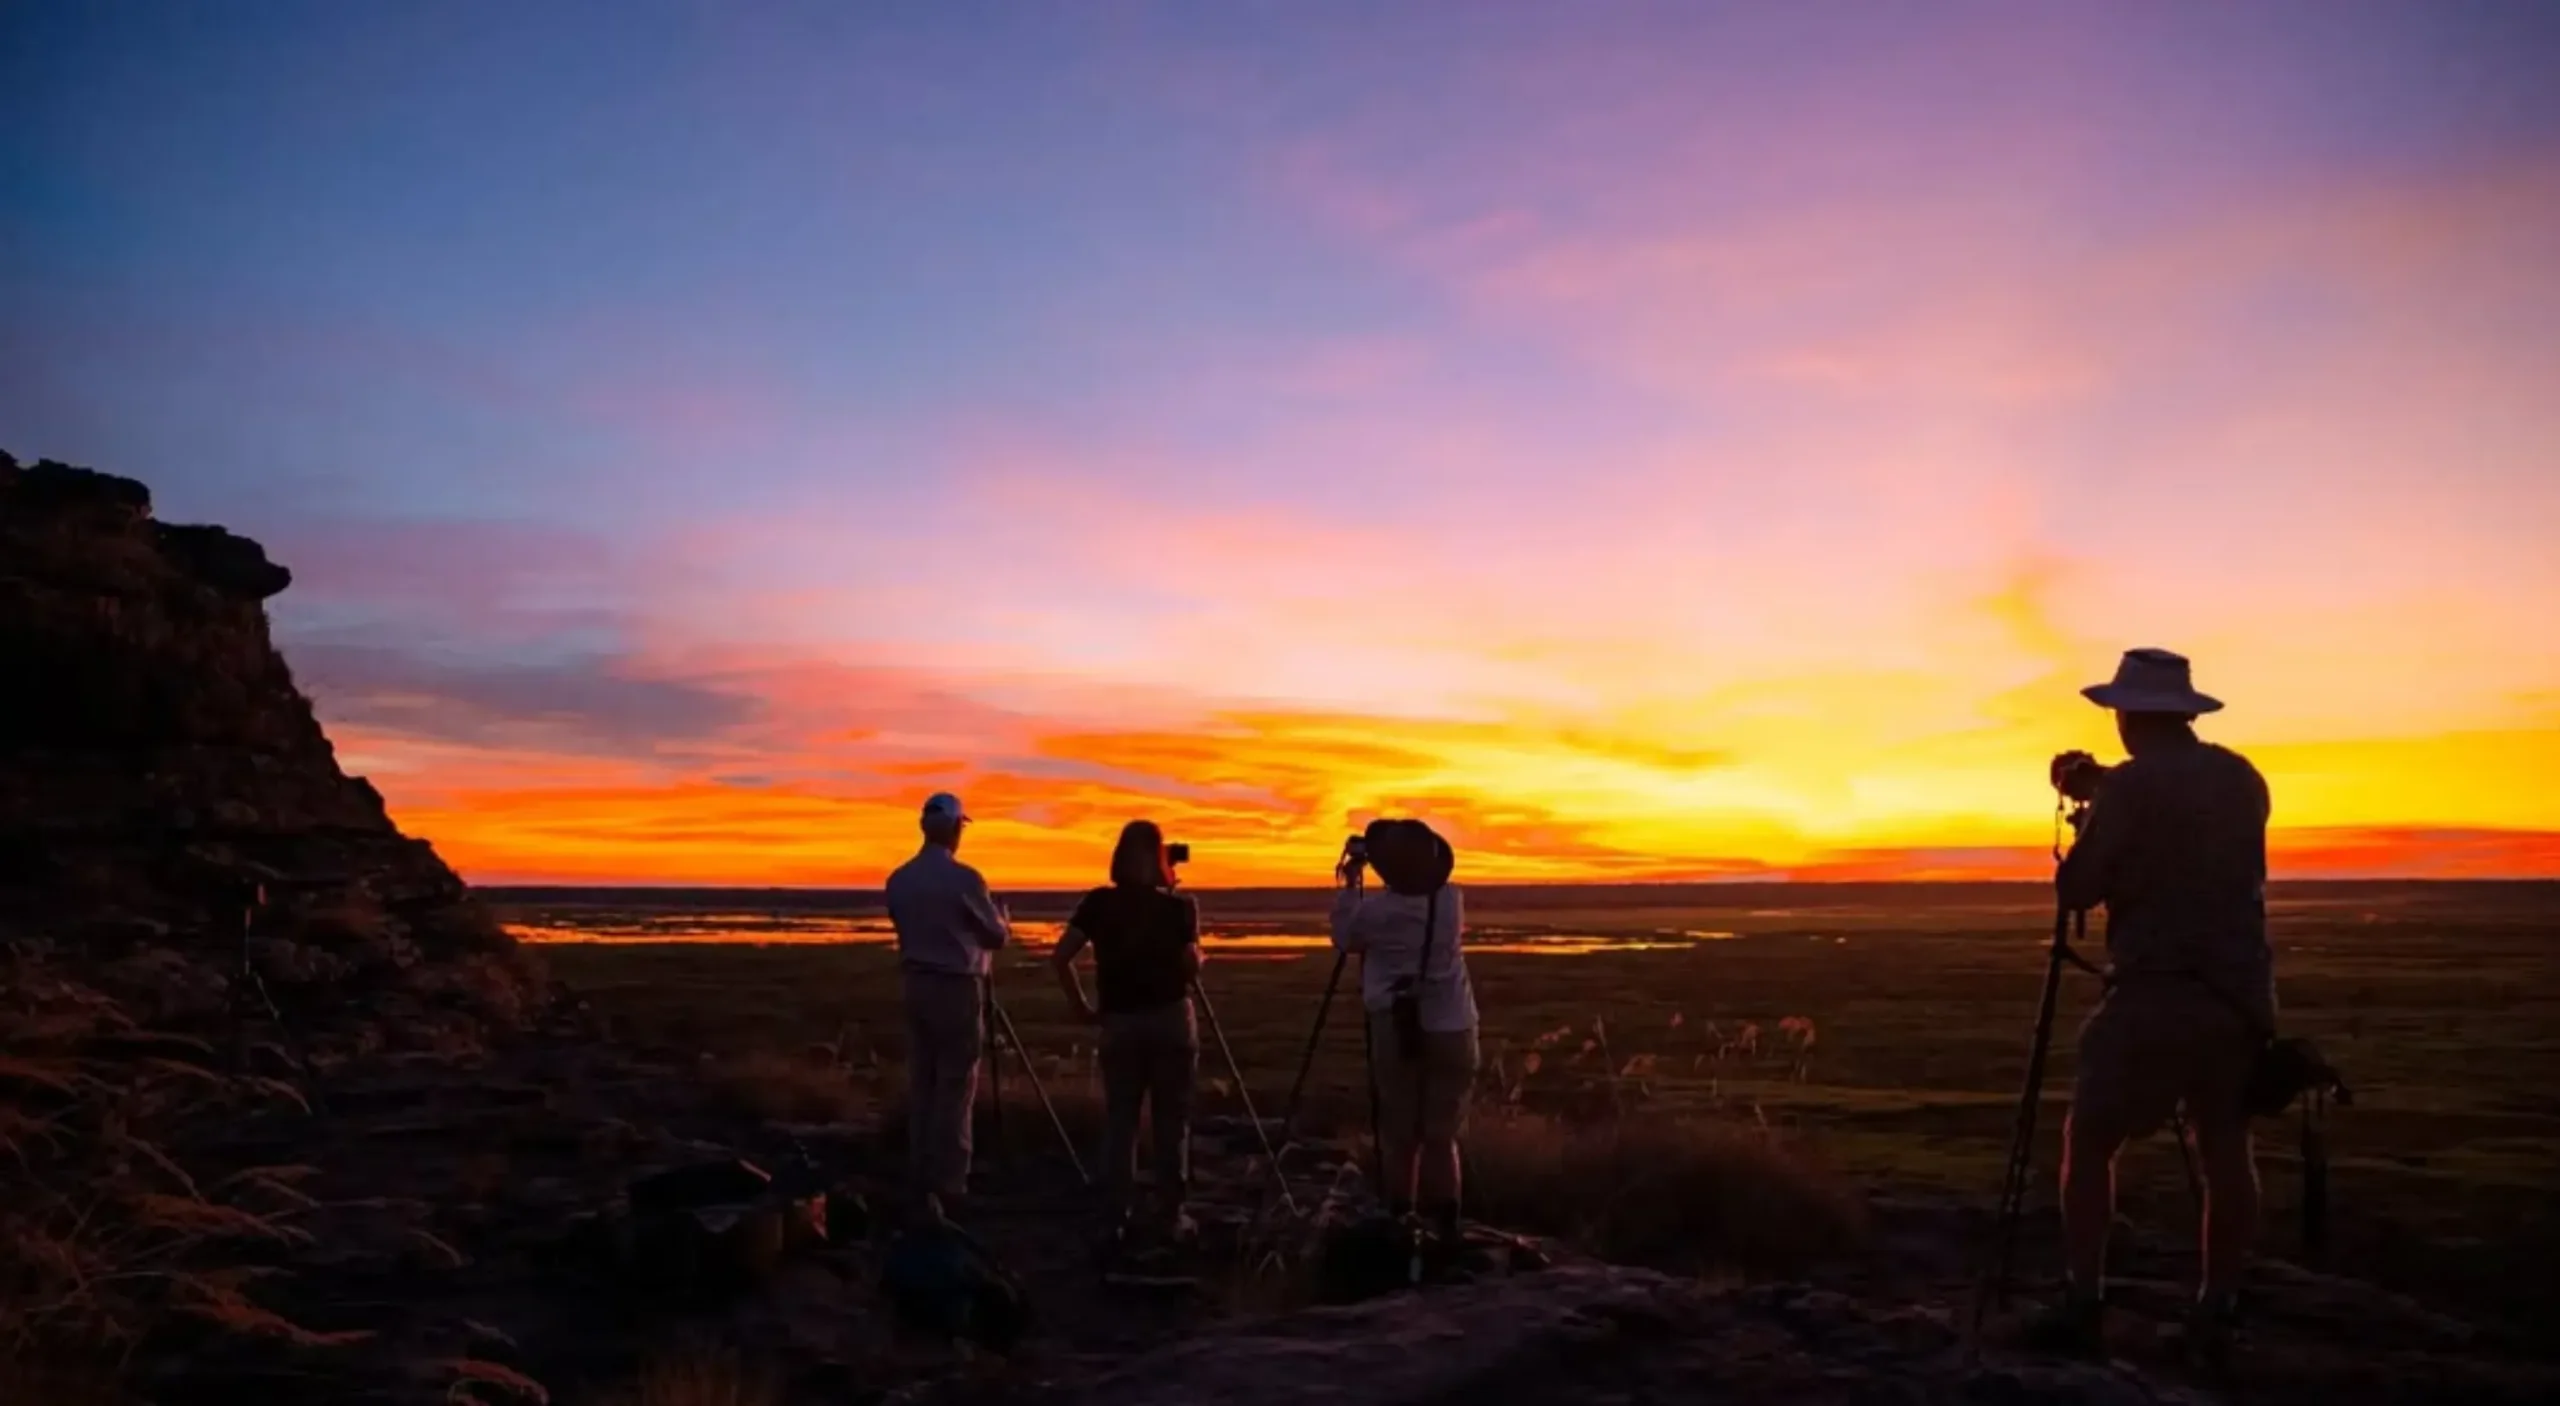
(477, 1224)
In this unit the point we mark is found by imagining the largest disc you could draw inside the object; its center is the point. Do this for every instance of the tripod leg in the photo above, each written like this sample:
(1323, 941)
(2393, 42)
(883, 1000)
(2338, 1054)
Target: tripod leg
(995, 1073)
(1041, 1092)
(1307, 1061)
(2021, 1161)
(1237, 1073)
(1369, 1078)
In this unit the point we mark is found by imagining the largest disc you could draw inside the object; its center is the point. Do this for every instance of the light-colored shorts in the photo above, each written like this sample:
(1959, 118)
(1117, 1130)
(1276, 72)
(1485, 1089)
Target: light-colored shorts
(1436, 1086)
(2156, 1046)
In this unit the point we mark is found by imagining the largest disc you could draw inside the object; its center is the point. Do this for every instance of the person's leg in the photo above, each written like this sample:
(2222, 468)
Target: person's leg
(1452, 1071)
(1124, 1085)
(2090, 1144)
(2216, 1100)
(1397, 1098)
(921, 1132)
(1173, 1071)
(2230, 1163)
(2110, 1089)
(958, 1037)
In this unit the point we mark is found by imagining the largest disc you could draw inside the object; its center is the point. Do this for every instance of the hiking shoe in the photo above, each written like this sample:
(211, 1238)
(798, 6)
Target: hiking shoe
(2075, 1327)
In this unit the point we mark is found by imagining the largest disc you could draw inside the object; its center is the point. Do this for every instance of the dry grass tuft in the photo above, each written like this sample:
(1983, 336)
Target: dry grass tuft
(776, 1087)
(106, 1234)
(1684, 1194)
(1026, 1125)
(698, 1377)
(475, 1381)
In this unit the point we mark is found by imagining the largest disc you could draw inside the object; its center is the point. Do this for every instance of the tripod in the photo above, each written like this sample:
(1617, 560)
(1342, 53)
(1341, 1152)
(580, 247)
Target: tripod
(1227, 1052)
(1351, 874)
(1350, 871)
(2069, 925)
(1307, 1061)
(1001, 1035)
(2021, 1164)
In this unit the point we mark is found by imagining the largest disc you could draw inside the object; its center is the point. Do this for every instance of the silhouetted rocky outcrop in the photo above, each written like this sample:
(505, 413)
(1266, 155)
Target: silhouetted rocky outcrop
(158, 765)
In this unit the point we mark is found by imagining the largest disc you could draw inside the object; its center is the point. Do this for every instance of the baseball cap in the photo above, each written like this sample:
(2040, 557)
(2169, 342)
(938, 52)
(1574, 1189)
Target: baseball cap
(944, 806)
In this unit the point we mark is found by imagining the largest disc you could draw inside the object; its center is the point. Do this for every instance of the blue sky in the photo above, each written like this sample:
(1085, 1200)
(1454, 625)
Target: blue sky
(1559, 369)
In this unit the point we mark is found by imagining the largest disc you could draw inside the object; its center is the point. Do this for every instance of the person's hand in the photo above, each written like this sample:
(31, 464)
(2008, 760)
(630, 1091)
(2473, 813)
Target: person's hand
(2076, 775)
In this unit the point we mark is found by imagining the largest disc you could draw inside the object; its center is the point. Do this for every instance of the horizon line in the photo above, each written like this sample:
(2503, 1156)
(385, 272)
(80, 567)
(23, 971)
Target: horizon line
(2351, 881)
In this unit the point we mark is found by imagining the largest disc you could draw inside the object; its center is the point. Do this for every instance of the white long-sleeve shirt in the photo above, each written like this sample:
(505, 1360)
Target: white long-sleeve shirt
(946, 919)
(1385, 928)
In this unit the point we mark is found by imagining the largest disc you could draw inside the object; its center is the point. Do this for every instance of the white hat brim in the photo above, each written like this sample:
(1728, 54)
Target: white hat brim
(2149, 700)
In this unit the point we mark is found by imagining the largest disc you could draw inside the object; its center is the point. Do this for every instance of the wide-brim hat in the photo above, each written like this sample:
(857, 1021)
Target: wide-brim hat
(2151, 681)
(1410, 857)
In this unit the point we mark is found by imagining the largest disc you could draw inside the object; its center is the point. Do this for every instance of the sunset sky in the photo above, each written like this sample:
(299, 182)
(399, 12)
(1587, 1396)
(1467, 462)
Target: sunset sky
(1650, 440)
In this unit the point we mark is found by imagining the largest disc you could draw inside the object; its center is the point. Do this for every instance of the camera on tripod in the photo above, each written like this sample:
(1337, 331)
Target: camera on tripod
(2078, 776)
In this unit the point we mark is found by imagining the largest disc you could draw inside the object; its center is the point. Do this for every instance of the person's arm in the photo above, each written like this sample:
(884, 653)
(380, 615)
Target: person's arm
(1190, 939)
(1347, 936)
(992, 930)
(1063, 962)
(2088, 872)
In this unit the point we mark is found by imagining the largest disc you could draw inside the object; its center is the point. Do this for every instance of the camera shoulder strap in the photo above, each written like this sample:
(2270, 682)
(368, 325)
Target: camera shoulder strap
(1430, 930)
(1422, 1061)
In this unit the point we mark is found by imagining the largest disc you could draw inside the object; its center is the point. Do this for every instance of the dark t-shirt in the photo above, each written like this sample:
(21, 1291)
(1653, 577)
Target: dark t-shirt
(2176, 847)
(1140, 938)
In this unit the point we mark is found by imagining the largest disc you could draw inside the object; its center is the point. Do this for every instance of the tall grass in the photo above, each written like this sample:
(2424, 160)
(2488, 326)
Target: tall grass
(106, 1232)
(778, 1087)
(697, 1376)
(1690, 1194)
(1566, 1140)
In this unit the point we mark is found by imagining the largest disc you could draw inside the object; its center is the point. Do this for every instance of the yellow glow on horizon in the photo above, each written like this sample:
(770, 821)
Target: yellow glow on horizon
(1270, 795)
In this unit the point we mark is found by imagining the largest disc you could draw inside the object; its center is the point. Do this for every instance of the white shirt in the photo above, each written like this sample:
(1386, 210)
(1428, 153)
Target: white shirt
(946, 920)
(1385, 928)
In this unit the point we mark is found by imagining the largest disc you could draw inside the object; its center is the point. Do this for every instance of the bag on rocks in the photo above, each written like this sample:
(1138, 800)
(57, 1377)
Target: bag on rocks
(711, 1230)
(941, 1281)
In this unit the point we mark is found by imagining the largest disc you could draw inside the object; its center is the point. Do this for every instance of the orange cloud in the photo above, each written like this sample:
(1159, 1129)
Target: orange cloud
(1267, 796)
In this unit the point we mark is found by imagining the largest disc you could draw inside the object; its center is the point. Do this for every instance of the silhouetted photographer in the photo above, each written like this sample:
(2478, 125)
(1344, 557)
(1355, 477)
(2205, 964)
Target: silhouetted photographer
(2173, 842)
(949, 928)
(1420, 1007)
(1145, 939)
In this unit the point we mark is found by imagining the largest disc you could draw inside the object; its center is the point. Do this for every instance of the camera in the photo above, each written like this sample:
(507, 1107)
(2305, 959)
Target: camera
(1355, 850)
(2077, 775)
(1177, 854)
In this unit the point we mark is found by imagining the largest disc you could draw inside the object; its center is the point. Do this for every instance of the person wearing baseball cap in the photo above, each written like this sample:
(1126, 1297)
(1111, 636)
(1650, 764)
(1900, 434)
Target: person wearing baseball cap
(949, 928)
(2174, 844)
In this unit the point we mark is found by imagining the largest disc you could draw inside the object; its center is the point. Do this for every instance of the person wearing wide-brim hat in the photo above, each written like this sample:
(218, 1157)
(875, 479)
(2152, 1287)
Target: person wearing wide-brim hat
(2174, 845)
(1421, 1011)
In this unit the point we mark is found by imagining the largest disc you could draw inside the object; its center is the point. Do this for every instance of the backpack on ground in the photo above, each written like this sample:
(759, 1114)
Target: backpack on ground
(941, 1281)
